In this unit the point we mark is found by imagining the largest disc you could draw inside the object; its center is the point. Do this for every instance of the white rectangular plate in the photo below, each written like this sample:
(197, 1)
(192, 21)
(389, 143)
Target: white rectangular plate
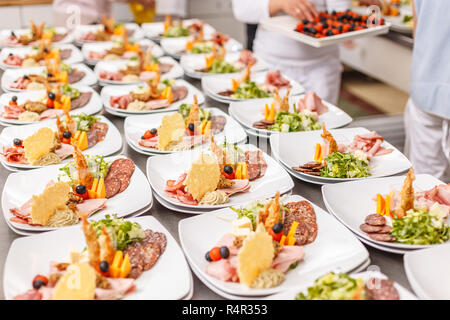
(335, 247)
(21, 186)
(427, 272)
(113, 91)
(135, 127)
(351, 202)
(168, 279)
(250, 111)
(165, 167)
(93, 106)
(5, 33)
(305, 142)
(286, 25)
(83, 29)
(114, 66)
(111, 144)
(75, 57)
(11, 75)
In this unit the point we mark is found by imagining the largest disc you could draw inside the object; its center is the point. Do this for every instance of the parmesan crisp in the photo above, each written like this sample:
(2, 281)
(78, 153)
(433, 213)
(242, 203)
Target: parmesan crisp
(45, 205)
(39, 144)
(203, 177)
(171, 130)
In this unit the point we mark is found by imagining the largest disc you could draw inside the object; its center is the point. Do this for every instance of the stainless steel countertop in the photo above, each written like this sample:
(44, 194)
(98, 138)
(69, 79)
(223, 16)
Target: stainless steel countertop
(388, 263)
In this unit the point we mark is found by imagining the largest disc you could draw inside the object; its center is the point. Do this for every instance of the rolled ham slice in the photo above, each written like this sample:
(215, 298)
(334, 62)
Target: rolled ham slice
(288, 256)
(149, 143)
(90, 206)
(65, 151)
(118, 289)
(51, 113)
(238, 186)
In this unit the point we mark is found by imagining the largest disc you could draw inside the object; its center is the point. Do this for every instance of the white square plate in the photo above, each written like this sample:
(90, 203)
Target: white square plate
(250, 111)
(168, 279)
(75, 56)
(305, 143)
(153, 30)
(83, 29)
(165, 167)
(114, 91)
(11, 75)
(216, 83)
(107, 45)
(116, 65)
(111, 144)
(93, 106)
(303, 286)
(175, 47)
(135, 127)
(5, 33)
(21, 186)
(193, 62)
(427, 272)
(286, 25)
(351, 202)
(335, 247)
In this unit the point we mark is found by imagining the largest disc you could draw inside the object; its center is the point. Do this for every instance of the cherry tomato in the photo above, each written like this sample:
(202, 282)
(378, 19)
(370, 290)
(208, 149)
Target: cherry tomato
(50, 103)
(66, 140)
(230, 176)
(39, 281)
(215, 254)
(275, 236)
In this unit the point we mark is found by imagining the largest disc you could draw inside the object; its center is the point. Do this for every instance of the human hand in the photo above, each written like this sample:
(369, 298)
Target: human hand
(147, 4)
(299, 9)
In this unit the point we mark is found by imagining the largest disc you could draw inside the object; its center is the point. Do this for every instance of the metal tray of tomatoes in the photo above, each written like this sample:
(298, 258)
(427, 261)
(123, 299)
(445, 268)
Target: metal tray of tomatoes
(286, 25)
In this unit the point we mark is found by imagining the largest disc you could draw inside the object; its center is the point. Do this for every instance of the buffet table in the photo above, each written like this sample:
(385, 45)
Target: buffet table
(390, 264)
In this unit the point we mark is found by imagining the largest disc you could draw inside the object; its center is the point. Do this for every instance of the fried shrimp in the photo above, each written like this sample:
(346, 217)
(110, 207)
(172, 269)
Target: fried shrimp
(329, 141)
(106, 246)
(272, 212)
(246, 76)
(93, 246)
(84, 174)
(193, 113)
(217, 151)
(406, 195)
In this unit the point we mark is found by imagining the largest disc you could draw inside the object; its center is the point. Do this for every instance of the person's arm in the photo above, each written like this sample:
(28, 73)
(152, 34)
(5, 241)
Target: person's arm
(414, 17)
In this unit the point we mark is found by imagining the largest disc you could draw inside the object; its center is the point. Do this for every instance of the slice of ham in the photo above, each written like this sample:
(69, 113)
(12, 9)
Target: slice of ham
(288, 256)
(222, 270)
(246, 57)
(119, 287)
(51, 113)
(275, 79)
(370, 143)
(228, 241)
(14, 155)
(147, 75)
(174, 185)
(91, 206)
(186, 198)
(13, 60)
(66, 150)
(149, 143)
(157, 104)
(238, 186)
(312, 102)
(121, 102)
(31, 294)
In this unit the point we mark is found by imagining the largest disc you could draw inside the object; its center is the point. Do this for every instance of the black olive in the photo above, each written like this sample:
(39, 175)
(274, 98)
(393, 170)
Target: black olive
(351, 29)
(208, 257)
(25, 77)
(191, 127)
(329, 33)
(104, 266)
(333, 12)
(38, 284)
(305, 21)
(312, 30)
(228, 169)
(325, 25)
(224, 252)
(17, 142)
(305, 29)
(14, 98)
(143, 137)
(340, 29)
(45, 50)
(153, 131)
(81, 189)
(67, 134)
(49, 75)
(51, 96)
(277, 228)
(13, 34)
(10, 54)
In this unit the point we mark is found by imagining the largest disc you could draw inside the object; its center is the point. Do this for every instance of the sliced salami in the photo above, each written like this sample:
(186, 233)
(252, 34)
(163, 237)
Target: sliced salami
(101, 129)
(375, 220)
(217, 124)
(381, 289)
(122, 165)
(383, 237)
(367, 228)
(75, 76)
(82, 100)
(302, 212)
(112, 186)
(165, 67)
(179, 93)
(65, 54)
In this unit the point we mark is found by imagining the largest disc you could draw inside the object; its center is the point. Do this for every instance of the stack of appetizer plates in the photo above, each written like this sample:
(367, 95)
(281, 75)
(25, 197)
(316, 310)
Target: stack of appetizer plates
(5, 33)
(193, 63)
(114, 66)
(303, 286)
(155, 30)
(214, 84)
(351, 202)
(297, 148)
(11, 75)
(93, 106)
(427, 272)
(75, 55)
(21, 186)
(101, 47)
(176, 47)
(136, 126)
(251, 111)
(169, 279)
(134, 31)
(161, 168)
(111, 144)
(114, 91)
(334, 249)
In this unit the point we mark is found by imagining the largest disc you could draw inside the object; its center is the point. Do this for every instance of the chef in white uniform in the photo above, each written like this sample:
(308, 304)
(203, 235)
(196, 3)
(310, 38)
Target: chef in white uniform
(317, 69)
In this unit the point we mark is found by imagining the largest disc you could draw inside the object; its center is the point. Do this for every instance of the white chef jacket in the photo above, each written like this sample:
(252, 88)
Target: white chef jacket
(317, 69)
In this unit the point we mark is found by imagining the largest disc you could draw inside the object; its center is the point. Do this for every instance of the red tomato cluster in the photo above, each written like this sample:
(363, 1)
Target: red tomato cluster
(334, 23)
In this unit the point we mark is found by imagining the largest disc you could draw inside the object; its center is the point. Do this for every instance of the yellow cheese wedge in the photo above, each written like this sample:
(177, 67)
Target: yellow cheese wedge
(125, 268)
(172, 129)
(203, 176)
(82, 142)
(45, 205)
(114, 269)
(93, 191)
(78, 283)
(100, 192)
(292, 230)
(39, 144)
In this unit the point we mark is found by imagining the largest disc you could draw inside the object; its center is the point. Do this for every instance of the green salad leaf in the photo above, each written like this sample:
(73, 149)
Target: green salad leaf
(97, 165)
(420, 228)
(176, 31)
(250, 90)
(122, 232)
(294, 121)
(250, 211)
(84, 121)
(345, 165)
(201, 47)
(65, 67)
(185, 108)
(221, 66)
(332, 286)
(70, 91)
